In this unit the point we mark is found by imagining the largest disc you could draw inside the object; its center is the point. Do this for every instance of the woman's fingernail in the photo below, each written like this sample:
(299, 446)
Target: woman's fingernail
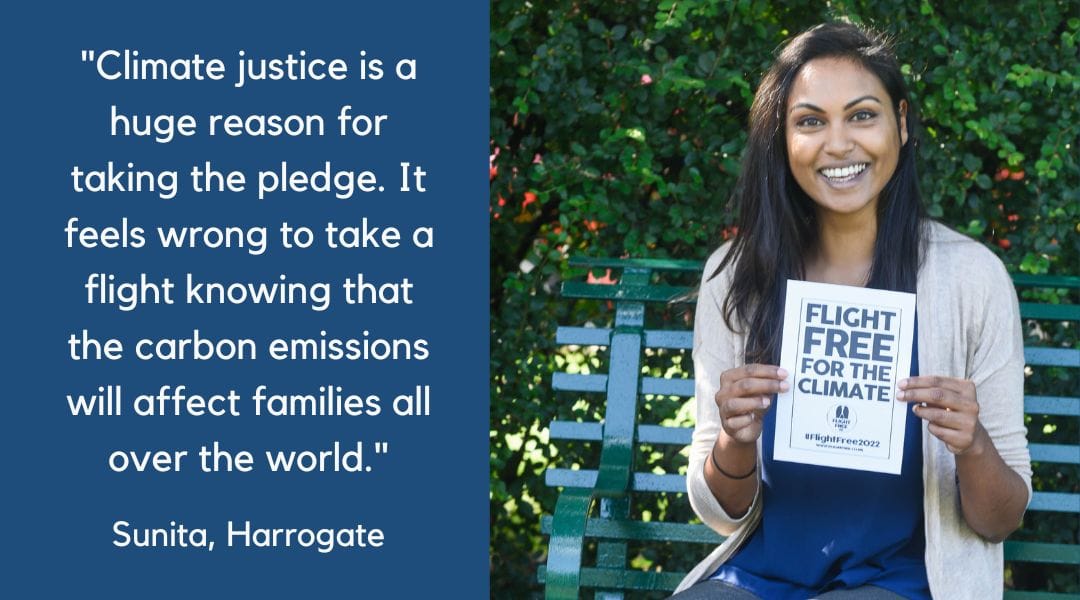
(900, 395)
(902, 383)
(782, 373)
(784, 386)
(766, 402)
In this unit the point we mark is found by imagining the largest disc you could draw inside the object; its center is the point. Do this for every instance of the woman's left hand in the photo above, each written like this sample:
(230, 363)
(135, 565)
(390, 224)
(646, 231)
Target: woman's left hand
(949, 407)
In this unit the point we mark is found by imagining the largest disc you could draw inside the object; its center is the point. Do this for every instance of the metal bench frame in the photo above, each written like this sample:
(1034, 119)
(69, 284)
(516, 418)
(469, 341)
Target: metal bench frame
(609, 488)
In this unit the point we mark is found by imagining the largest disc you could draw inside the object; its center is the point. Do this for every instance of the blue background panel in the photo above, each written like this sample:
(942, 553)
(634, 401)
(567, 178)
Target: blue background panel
(429, 492)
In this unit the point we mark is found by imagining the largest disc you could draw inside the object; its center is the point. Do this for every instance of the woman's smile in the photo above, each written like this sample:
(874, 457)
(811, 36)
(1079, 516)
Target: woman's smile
(846, 176)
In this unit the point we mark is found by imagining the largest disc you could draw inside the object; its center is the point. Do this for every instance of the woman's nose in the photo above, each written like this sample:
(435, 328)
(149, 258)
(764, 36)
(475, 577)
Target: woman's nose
(838, 141)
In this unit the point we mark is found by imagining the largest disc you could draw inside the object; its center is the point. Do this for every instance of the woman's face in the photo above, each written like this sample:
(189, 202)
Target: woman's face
(843, 141)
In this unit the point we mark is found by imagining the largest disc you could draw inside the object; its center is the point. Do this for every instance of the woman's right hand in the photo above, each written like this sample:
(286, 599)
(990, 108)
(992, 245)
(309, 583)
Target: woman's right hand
(745, 394)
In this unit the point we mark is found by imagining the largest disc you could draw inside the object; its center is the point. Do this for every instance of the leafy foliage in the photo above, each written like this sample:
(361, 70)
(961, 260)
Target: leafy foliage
(617, 129)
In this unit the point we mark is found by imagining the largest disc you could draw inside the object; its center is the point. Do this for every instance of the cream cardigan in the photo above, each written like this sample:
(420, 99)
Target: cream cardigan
(969, 327)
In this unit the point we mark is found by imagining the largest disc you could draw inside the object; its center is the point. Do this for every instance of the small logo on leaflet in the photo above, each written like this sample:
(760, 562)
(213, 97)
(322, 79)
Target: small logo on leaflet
(841, 417)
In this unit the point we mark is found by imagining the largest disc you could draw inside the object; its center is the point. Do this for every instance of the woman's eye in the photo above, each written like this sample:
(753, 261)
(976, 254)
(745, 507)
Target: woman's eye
(808, 122)
(863, 115)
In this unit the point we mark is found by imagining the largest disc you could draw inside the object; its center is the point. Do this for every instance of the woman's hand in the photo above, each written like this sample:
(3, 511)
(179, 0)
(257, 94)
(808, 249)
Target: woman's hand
(993, 496)
(951, 410)
(744, 396)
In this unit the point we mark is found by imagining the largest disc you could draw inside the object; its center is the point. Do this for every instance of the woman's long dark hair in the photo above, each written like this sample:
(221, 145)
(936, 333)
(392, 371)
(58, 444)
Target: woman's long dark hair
(777, 222)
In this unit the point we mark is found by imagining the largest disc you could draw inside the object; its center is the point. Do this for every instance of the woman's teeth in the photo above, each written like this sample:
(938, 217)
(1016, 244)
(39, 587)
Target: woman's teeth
(842, 173)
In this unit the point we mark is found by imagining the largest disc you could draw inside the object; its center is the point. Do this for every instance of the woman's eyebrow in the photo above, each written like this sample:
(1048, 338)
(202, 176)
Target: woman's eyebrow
(807, 105)
(816, 108)
(860, 99)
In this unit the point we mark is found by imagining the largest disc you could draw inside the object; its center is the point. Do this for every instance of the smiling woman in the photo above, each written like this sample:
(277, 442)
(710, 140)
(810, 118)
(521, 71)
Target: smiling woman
(828, 193)
(843, 141)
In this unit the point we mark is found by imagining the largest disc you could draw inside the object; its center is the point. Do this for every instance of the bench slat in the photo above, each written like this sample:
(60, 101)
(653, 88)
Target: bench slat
(600, 336)
(657, 434)
(576, 382)
(1055, 453)
(621, 579)
(682, 294)
(668, 581)
(591, 431)
(1050, 312)
(1042, 552)
(658, 386)
(640, 530)
(1052, 405)
(660, 264)
(1025, 280)
(641, 482)
(629, 579)
(1037, 552)
(1055, 502)
(583, 336)
(673, 340)
(680, 436)
(1022, 595)
(622, 292)
(571, 430)
(667, 387)
(1052, 357)
(651, 482)
(684, 340)
(1046, 281)
(624, 579)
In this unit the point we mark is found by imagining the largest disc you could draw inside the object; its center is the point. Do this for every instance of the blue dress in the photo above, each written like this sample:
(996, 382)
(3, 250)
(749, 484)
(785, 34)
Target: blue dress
(824, 528)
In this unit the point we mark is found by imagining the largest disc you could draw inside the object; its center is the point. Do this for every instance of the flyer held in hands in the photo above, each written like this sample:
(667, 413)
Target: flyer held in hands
(846, 348)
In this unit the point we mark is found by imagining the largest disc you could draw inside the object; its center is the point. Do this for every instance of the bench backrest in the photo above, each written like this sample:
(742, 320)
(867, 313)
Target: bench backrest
(619, 480)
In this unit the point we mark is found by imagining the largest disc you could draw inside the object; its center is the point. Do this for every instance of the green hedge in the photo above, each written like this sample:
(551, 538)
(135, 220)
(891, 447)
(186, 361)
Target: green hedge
(617, 129)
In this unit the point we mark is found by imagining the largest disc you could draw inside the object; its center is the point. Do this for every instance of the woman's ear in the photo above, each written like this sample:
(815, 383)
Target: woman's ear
(902, 110)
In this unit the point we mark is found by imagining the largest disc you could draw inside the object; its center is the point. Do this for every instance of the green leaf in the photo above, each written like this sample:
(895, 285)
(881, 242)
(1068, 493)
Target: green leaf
(972, 163)
(517, 22)
(706, 61)
(636, 133)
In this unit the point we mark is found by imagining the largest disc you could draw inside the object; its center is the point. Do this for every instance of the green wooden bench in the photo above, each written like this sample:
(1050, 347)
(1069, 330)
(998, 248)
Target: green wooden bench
(592, 531)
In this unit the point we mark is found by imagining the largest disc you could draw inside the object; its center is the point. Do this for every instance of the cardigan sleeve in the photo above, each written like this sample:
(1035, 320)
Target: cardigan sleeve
(716, 349)
(996, 366)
